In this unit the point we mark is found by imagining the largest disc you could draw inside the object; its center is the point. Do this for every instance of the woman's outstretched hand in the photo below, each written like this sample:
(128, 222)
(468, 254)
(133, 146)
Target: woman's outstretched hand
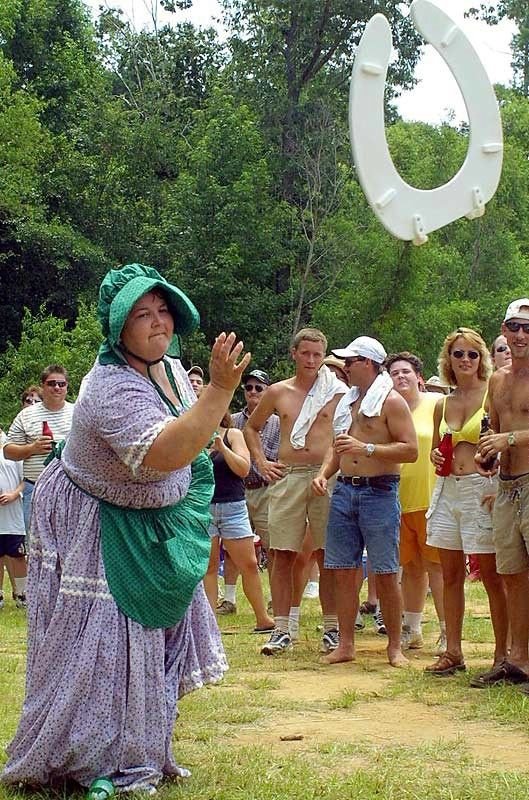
(225, 371)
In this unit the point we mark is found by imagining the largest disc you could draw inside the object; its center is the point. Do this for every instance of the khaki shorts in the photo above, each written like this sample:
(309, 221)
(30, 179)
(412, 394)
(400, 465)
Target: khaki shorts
(257, 502)
(413, 539)
(511, 526)
(291, 504)
(456, 520)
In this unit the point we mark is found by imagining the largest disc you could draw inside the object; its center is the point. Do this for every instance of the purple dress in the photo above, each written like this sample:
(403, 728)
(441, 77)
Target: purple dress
(101, 689)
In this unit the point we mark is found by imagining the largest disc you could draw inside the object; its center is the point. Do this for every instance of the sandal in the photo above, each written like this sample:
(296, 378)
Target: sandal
(447, 664)
(502, 673)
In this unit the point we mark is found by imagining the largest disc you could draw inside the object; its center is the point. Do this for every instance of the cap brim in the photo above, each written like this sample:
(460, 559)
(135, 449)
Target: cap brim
(343, 353)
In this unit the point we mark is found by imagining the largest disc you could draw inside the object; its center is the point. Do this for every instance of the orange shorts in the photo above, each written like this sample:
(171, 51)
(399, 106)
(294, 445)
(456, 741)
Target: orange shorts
(413, 539)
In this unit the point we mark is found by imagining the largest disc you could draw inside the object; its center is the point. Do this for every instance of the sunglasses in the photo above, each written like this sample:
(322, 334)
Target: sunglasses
(514, 327)
(60, 384)
(355, 360)
(472, 354)
(30, 400)
(256, 387)
(501, 348)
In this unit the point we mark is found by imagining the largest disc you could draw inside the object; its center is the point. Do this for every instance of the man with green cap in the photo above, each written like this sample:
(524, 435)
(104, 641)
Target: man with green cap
(119, 626)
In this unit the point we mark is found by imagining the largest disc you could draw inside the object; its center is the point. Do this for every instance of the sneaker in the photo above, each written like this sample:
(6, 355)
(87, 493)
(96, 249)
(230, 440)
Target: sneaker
(378, 619)
(312, 590)
(329, 641)
(359, 622)
(226, 607)
(20, 601)
(440, 645)
(277, 643)
(410, 640)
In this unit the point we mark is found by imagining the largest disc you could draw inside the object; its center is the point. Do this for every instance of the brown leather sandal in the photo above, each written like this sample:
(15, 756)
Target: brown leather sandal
(447, 664)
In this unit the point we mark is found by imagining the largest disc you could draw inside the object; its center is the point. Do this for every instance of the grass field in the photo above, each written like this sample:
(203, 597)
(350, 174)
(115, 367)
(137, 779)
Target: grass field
(292, 728)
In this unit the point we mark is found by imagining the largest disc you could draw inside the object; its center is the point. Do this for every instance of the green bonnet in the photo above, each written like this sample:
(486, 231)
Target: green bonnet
(120, 290)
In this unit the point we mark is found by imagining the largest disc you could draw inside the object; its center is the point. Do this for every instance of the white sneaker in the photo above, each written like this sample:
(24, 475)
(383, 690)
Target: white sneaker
(440, 646)
(312, 590)
(410, 640)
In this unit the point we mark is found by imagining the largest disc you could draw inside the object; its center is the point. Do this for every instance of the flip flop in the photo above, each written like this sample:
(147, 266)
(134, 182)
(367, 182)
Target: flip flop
(503, 673)
(268, 629)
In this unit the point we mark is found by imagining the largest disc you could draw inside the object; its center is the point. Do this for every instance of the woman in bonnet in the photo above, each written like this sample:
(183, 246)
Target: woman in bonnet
(118, 624)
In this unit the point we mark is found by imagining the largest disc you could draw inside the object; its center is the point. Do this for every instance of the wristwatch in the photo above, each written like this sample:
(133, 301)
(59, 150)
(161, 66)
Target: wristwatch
(370, 449)
(511, 439)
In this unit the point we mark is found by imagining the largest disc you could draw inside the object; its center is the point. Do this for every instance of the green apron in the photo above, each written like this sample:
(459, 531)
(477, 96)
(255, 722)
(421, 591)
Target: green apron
(155, 558)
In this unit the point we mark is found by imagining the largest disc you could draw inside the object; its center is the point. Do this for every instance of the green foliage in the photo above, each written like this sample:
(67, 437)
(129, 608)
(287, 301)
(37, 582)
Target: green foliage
(46, 340)
(227, 166)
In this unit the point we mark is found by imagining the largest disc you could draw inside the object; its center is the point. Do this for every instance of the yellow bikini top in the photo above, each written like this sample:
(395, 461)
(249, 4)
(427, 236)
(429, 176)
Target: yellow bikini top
(471, 428)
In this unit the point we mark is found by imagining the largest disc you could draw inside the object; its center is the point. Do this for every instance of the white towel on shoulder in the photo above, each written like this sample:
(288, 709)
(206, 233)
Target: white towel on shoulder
(371, 405)
(324, 388)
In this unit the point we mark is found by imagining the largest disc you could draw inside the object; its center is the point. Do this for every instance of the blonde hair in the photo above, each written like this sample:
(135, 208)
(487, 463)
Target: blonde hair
(446, 372)
(309, 335)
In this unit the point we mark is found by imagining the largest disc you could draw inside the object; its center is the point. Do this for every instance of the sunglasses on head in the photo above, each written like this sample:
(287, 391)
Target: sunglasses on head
(60, 384)
(257, 387)
(514, 326)
(355, 360)
(472, 354)
(501, 348)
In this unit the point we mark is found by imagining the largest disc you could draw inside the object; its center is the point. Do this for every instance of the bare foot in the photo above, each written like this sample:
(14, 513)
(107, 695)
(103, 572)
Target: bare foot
(338, 656)
(396, 659)
(263, 624)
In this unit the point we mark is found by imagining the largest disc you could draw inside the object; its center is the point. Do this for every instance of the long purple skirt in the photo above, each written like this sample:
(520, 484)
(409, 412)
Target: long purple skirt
(101, 689)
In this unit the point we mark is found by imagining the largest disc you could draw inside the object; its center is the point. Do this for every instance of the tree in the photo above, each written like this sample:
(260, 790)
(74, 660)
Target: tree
(518, 12)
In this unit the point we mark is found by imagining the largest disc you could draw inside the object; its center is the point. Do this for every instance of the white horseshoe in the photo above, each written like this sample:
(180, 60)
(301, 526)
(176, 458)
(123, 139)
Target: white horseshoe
(409, 213)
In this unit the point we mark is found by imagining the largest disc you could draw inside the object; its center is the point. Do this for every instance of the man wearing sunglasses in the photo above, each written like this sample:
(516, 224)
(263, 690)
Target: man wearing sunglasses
(509, 416)
(25, 440)
(374, 435)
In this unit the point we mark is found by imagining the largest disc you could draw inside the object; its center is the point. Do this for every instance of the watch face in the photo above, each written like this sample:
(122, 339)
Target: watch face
(370, 449)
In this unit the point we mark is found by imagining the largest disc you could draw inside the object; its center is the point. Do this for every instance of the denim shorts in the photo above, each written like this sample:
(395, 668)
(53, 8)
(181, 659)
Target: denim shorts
(230, 520)
(364, 516)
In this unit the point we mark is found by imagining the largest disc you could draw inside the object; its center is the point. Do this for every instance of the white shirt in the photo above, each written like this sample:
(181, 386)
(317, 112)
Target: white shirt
(11, 515)
(27, 427)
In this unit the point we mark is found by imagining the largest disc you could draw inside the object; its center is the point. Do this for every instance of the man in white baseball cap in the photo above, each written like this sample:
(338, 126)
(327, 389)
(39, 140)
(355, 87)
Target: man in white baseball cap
(374, 434)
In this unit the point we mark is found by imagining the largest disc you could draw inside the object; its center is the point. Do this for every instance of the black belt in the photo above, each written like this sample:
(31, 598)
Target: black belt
(28, 481)
(255, 484)
(377, 481)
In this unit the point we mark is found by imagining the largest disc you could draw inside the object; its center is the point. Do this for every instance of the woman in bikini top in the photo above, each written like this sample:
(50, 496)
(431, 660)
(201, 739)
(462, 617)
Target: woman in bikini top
(459, 521)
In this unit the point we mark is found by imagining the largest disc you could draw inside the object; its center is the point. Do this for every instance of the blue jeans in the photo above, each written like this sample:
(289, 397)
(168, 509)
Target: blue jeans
(26, 502)
(364, 516)
(230, 520)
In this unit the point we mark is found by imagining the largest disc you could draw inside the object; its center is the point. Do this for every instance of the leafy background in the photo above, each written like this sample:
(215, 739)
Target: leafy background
(226, 164)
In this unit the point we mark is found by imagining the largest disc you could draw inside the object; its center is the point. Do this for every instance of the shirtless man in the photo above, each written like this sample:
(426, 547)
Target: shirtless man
(291, 500)
(509, 415)
(365, 506)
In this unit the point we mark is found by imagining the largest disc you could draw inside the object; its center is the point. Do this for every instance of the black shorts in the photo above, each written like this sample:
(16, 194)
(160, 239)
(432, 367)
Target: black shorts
(13, 545)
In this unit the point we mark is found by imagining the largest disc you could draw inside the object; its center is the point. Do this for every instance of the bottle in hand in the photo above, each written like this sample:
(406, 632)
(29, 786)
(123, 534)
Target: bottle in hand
(487, 464)
(446, 448)
(46, 430)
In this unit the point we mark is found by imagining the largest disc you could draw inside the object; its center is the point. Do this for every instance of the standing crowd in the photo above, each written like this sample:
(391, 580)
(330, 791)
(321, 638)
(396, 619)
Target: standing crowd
(129, 499)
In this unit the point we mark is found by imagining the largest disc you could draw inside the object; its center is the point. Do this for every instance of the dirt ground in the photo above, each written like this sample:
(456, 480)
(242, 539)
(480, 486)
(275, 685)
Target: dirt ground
(373, 719)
